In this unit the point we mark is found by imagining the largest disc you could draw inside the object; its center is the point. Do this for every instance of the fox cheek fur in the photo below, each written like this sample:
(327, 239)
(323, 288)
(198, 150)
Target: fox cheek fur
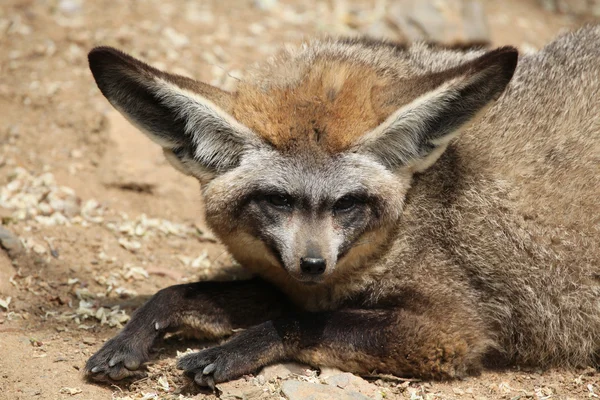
(413, 211)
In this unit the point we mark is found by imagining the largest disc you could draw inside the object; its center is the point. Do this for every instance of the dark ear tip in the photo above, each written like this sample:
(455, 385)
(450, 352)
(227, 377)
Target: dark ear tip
(104, 55)
(106, 51)
(103, 59)
(99, 58)
(107, 64)
(506, 58)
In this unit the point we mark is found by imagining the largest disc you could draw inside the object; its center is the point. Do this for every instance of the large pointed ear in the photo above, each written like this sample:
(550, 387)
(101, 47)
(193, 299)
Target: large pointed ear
(418, 132)
(187, 118)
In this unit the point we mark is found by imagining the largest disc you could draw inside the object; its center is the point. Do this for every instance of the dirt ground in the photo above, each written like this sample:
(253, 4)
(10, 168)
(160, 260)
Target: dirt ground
(105, 222)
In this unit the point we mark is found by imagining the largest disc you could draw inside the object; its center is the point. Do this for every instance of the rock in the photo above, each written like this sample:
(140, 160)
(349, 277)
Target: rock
(342, 380)
(10, 242)
(348, 381)
(70, 390)
(296, 390)
(327, 372)
(449, 23)
(90, 341)
(280, 371)
(239, 389)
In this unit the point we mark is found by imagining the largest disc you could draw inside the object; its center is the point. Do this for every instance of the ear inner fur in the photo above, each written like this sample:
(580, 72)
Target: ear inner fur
(418, 132)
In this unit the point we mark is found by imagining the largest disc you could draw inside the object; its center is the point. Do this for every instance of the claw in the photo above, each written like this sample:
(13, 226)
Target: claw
(95, 370)
(205, 380)
(209, 369)
(210, 381)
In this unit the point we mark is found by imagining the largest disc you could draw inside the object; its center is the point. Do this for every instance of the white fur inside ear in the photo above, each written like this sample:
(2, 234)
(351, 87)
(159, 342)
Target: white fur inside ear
(399, 138)
(421, 164)
(191, 168)
(218, 139)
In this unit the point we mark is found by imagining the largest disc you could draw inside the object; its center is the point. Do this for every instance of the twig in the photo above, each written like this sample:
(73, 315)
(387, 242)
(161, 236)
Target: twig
(387, 377)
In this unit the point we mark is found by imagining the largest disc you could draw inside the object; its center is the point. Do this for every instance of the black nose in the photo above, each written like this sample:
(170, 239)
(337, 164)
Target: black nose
(312, 266)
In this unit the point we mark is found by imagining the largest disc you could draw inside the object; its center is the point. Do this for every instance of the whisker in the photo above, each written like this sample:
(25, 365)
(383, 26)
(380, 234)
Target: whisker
(216, 260)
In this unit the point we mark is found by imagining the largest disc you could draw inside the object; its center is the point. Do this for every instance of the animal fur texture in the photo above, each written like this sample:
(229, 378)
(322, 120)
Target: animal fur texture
(406, 210)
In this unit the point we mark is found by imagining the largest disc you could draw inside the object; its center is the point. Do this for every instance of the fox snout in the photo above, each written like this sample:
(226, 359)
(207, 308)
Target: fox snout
(312, 262)
(313, 265)
(309, 260)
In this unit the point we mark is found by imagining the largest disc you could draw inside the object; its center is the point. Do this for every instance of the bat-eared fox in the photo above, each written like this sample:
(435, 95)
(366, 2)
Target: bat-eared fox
(409, 210)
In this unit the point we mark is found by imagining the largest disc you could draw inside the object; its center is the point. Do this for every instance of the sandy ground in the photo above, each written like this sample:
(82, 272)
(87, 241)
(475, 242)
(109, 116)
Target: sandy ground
(106, 222)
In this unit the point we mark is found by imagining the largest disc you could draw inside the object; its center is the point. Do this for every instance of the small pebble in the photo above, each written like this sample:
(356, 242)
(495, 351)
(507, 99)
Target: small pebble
(88, 340)
(10, 242)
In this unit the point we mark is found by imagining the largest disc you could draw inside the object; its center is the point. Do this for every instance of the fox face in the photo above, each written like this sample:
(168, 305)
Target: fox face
(307, 213)
(305, 169)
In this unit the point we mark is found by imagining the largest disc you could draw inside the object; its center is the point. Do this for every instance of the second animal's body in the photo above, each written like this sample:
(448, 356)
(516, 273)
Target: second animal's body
(412, 211)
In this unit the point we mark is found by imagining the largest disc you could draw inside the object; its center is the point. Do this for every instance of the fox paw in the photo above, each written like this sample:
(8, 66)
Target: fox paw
(118, 359)
(211, 366)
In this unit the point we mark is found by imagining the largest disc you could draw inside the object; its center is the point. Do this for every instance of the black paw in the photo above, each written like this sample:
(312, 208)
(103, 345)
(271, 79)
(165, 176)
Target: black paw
(217, 364)
(121, 357)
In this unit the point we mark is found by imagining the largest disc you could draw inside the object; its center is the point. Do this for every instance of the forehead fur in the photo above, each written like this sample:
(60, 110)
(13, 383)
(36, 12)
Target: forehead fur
(326, 94)
(330, 107)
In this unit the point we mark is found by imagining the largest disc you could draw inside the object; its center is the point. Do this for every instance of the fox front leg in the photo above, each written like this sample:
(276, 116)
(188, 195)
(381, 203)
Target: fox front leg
(398, 342)
(211, 309)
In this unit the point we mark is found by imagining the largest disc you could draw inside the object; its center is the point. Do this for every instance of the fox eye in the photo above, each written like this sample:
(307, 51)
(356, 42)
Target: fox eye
(345, 203)
(279, 200)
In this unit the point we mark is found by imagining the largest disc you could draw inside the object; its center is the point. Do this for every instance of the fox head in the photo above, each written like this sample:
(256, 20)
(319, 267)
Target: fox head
(305, 168)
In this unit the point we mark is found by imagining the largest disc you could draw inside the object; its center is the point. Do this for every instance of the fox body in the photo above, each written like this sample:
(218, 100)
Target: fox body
(407, 210)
